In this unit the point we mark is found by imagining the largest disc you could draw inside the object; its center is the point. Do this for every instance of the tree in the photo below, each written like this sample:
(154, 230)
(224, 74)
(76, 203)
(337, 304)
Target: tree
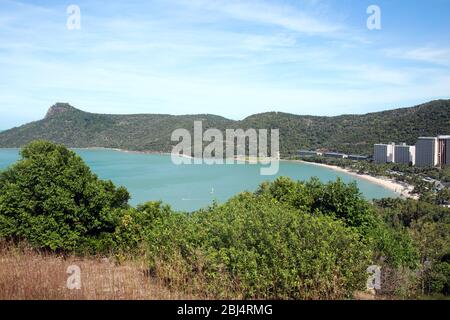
(443, 196)
(51, 199)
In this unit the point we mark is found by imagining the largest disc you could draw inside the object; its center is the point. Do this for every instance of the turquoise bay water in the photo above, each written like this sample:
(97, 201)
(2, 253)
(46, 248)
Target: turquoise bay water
(189, 187)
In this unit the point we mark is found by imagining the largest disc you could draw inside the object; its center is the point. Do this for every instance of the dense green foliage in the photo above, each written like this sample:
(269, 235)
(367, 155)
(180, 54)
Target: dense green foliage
(134, 224)
(287, 240)
(348, 133)
(429, 226)
(344, 202)
(253, 247)
(51, 199)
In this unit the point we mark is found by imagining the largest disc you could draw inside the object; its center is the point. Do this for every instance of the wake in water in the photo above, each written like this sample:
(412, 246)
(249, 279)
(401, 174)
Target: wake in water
(198, 199)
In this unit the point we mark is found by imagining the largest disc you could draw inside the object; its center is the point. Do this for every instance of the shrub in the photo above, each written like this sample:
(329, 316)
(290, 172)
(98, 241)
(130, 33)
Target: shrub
(344, 202)
(133, 225)
(439, 278)
(337, 199)
(51, 199)
(254, 247)
(393, 247)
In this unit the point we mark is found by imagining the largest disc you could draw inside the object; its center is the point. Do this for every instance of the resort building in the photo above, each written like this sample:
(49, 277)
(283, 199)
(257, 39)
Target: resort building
(357, 157)
(384, 153)
(405, 154)
(443, 150)
(308, 153)
(427, 154)
(335, 155)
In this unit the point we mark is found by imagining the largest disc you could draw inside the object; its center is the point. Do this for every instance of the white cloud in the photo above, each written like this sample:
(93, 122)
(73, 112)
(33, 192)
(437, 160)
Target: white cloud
(433, 55)
(376, 74)
(262, 12)
(261, 42)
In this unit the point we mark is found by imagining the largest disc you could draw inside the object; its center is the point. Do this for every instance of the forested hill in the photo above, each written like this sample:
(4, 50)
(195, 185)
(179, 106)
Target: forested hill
(151, 132)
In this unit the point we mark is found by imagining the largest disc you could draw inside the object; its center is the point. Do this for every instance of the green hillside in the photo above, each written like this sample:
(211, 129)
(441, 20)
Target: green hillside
(151, 132)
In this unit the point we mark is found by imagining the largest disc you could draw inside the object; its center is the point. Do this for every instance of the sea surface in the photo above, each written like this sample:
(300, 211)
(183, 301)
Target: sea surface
(190, 187)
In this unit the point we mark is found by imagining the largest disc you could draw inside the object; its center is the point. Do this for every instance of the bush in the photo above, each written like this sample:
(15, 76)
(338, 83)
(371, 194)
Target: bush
(254, 247)
(51, 199)
(134, 224)
(393, 247)
(439, 278)
(429, 228)
(336, 199)
(345, 203)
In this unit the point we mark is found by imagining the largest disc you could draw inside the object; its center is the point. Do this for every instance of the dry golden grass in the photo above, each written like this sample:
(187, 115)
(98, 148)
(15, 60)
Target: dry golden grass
(27, 274)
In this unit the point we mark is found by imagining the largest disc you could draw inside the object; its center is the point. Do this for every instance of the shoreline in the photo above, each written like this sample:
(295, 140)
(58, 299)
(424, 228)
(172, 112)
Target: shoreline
(124, 150)
(402, 189)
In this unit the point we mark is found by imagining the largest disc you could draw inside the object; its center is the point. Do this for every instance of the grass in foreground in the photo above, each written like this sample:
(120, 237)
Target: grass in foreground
(29, 275)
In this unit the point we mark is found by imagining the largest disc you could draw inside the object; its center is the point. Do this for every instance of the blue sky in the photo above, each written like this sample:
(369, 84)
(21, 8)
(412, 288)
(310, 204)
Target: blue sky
(226, 57)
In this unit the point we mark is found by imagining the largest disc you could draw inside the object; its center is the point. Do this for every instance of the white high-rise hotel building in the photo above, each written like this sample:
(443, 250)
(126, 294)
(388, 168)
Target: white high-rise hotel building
(402, 153)
(428, 152)
(405, 154)
(431, 151)
(384, 153)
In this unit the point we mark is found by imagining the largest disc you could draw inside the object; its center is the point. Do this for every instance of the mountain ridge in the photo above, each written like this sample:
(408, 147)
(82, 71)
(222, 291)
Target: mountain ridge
(355, 133)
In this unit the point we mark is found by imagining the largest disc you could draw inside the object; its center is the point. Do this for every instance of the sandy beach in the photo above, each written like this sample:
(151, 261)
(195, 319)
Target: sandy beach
(124, 150)
(402, 189)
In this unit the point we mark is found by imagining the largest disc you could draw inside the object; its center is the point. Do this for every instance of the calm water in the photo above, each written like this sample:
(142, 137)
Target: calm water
(189, 187)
